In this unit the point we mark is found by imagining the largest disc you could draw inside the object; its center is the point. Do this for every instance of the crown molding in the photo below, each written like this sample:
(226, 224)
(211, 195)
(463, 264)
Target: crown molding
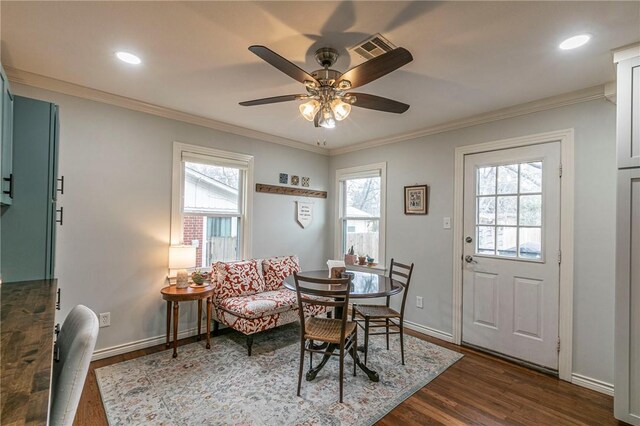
(48, 83)
(72, 89)
(626, 52)
(611, 91)
(584, 95)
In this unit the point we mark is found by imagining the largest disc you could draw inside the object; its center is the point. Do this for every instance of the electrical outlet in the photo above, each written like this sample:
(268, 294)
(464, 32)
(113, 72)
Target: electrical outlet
(105, 319)
(419, 301)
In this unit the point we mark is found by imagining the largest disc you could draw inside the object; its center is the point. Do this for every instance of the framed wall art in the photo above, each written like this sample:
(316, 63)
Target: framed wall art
(416, 199)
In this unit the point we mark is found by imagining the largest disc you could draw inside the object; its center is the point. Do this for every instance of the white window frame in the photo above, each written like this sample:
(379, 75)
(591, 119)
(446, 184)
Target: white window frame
(177, 196)
(354, 173)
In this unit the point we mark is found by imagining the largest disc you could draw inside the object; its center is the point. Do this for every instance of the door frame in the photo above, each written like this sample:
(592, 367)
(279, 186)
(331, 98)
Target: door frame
(565, 313)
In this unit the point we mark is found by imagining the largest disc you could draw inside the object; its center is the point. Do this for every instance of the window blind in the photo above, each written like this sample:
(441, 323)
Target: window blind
(192, 157)
(360, 175)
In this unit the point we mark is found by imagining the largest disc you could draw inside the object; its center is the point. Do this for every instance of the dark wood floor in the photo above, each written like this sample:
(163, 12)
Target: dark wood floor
(478, 389)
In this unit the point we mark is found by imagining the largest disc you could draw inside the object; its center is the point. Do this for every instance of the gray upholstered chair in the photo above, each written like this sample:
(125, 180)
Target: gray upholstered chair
(76, 342)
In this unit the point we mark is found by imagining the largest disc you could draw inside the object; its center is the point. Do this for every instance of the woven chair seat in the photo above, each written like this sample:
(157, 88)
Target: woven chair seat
(326, 330)
(375, 311)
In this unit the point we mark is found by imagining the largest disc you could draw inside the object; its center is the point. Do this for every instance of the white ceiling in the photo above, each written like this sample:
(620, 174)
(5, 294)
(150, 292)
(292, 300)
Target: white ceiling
(469, 57)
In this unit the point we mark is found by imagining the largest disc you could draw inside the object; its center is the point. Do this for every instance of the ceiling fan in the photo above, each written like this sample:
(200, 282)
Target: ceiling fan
(328, 95)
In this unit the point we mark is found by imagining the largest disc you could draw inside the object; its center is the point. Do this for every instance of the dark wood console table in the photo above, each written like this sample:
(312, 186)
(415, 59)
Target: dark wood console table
(27, 316)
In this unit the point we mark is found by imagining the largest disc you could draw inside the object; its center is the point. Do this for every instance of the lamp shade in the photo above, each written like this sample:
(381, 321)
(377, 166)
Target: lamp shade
(182, 257)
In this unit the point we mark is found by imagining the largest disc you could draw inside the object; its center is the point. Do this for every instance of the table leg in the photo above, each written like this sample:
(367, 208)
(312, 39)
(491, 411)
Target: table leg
(371, 374)
(313, 372)
(168, 323)
(199, 319)
(209, 303)
(175, 329)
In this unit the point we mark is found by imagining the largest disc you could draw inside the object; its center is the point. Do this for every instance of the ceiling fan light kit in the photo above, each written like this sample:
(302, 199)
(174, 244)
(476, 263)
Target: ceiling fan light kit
(309, 109)
(327, 98)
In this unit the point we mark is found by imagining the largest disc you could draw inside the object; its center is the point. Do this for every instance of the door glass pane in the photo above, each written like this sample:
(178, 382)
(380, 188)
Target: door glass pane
(507, 210)
(530, 210)
(508, 179)
(486, 210)
(486, 180)
(486, 240)
(530, 243)
(507, 238)
(531, 177)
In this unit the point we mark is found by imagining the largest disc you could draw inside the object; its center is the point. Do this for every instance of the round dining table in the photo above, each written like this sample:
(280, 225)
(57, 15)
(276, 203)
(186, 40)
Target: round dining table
(362, 285)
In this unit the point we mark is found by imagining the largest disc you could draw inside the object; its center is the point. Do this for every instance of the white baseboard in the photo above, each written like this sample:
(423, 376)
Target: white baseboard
(139, 344)
(593, 384)
(447, 337)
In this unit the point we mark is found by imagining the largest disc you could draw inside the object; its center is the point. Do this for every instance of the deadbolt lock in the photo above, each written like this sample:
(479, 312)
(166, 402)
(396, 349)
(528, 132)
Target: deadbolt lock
(468, 239)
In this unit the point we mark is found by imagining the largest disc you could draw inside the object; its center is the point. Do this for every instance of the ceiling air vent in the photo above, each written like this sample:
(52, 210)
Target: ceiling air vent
(372, 47)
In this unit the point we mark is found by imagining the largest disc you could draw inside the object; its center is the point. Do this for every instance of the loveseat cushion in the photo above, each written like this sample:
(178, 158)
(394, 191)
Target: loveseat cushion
(276, 269)
(260, 304)
(235, 279)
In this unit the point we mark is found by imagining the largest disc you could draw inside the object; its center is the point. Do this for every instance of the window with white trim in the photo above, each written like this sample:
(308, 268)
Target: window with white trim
(210, 208)
(361, 211)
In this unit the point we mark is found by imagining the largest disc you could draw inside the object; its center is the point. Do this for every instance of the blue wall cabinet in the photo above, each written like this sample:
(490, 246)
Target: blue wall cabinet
(6, 140)
(29, 224)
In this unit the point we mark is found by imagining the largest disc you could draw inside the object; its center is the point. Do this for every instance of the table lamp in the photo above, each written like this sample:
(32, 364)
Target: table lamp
(181, 258)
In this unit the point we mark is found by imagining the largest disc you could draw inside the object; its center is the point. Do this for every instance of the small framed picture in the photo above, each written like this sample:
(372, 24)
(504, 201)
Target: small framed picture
(416, 199)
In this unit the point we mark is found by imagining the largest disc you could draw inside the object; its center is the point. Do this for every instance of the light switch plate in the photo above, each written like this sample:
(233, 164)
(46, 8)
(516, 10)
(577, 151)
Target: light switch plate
(446, 223)
(419, 301)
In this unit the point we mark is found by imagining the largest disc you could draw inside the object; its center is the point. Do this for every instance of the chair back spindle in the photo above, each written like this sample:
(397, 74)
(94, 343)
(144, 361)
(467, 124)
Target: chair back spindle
(401, 274)
(332, 292)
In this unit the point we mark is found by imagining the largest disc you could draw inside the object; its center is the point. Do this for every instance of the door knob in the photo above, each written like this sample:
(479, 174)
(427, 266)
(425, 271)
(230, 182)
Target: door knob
(468, 239)
(469, 259)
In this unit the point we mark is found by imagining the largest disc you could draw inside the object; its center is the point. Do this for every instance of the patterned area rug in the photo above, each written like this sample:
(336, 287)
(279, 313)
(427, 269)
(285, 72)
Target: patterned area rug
(224, 386)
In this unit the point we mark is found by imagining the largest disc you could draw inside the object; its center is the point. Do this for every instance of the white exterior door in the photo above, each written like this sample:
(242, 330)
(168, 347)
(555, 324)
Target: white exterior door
(511, 270)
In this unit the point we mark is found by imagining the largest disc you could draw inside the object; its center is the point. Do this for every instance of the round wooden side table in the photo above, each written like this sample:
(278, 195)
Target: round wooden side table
(175, 295)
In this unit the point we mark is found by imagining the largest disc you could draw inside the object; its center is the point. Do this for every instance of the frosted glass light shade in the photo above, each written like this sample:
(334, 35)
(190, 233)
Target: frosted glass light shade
(309, 109)
(182, 257)
(340, 109)
(327, 121)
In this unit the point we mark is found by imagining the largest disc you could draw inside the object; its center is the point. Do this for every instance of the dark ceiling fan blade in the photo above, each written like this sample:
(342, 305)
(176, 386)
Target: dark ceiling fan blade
(273, 100)
(376, 67)
(283, 64)
(378, 103)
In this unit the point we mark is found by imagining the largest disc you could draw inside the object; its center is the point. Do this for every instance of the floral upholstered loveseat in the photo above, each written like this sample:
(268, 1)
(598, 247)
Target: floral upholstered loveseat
(250, 297)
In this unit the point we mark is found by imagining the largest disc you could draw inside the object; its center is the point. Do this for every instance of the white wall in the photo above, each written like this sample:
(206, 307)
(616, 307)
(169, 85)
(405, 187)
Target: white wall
(112, 252)
(422, 239)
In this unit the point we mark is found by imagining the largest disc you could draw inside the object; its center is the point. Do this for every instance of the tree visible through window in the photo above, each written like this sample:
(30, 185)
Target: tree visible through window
(509, 210)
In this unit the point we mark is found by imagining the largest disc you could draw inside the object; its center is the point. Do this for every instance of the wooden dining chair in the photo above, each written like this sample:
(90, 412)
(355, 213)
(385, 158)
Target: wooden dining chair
(336, 333)
(379, 316)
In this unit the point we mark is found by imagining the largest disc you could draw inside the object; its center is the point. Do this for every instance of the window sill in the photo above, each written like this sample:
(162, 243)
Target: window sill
(374, 269)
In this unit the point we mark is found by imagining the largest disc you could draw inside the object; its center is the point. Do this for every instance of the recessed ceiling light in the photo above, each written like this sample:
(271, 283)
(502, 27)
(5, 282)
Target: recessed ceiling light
(129, 58)
(575, 41)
